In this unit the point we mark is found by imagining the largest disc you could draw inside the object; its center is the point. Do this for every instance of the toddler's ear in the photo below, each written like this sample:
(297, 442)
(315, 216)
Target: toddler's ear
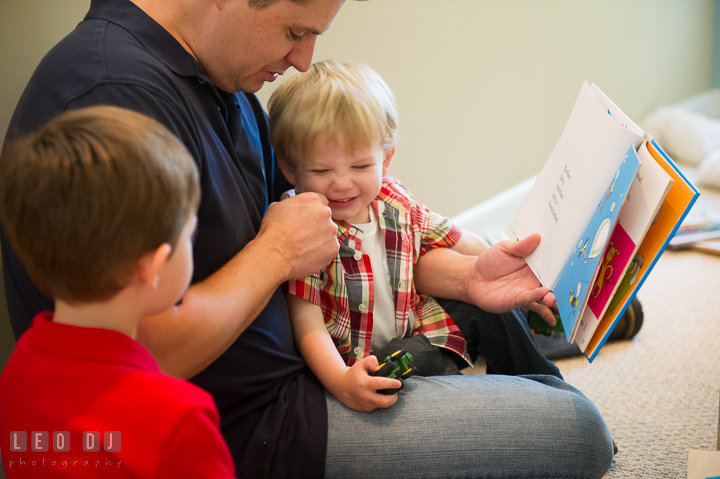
(287, 170)
(149, 266)
(388, 158)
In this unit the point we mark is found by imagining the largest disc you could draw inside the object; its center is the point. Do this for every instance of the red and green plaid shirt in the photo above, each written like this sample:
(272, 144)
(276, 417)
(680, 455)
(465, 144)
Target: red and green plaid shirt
(344, 289)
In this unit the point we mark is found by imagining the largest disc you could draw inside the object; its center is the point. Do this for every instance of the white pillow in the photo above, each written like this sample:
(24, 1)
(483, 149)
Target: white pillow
(686, 136)
(708, 172)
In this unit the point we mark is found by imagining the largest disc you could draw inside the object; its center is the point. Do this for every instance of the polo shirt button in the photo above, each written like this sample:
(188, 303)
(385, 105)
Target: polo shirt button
(358, 352)
(362, 307)
(358, 255)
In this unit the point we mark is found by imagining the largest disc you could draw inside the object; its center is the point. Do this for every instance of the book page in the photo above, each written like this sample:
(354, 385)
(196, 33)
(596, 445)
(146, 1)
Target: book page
(677, 203)
(571, 184)
(573, 286)
(616, 112)
(648, 190)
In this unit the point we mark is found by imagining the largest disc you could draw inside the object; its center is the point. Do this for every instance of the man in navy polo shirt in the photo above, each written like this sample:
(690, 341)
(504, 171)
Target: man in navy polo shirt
(144, 58)
(182, 62)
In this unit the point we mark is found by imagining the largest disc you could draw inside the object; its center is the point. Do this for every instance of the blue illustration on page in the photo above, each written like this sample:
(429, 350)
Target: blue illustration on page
(579, 272)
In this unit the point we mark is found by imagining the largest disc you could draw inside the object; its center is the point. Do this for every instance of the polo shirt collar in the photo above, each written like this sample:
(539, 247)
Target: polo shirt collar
(149, 33)
(89, 344)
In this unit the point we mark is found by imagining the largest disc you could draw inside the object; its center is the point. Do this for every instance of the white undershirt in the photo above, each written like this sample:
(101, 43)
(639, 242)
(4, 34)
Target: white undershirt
(373, 244)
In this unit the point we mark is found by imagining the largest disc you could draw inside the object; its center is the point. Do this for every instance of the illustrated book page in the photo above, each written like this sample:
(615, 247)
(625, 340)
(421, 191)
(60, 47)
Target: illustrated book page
(573, 287)
(649, 188)
(677, 204)
(570, 186)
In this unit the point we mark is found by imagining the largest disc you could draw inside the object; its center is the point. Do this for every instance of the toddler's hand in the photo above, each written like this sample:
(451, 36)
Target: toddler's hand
(358, 390)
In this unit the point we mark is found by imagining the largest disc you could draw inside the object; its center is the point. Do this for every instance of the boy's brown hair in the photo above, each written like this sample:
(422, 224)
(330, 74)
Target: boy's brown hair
(87, 195)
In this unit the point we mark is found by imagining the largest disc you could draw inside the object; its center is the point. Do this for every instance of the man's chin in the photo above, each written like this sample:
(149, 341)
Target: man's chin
(252, 85)
(252, 89)
(247, 85)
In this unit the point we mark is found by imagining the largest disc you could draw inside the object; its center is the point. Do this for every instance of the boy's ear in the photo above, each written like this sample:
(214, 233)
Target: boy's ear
(287, 170)
(150, 264)
(388, 158)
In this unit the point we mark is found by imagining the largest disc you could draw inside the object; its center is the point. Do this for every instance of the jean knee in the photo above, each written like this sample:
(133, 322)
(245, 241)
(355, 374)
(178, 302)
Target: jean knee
(597, 445)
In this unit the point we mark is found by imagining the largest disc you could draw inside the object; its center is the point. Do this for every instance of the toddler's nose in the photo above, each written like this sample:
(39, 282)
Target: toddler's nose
(343, 183)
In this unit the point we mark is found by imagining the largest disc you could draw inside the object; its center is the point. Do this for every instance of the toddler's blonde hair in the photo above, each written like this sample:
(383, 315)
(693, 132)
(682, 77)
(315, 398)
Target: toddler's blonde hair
(329, 100)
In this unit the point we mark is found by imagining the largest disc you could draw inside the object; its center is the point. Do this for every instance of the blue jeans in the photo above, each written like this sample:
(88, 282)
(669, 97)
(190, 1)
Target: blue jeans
(472, 426)
(504, 340)
(556, 346)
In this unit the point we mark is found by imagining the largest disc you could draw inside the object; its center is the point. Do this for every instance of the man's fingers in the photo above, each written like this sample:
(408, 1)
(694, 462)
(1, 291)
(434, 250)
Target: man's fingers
(550, 301)
(323, 199)
(545, 312)
(302, 228)
(536, 295)
(526, 246)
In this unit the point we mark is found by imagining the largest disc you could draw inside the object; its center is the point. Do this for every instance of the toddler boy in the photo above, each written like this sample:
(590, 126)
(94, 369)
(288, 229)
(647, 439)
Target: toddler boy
(333, 129)
(100, 205)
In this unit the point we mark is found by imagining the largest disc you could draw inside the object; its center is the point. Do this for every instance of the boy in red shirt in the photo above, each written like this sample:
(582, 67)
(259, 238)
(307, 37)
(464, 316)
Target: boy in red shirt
(100, 206)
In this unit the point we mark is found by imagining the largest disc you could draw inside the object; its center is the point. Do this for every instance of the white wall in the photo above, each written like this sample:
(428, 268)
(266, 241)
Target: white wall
(484, 86)
(28, 29)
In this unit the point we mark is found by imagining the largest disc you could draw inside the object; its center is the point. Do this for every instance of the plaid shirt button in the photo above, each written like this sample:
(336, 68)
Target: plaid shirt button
(358, 255)
(362, 308)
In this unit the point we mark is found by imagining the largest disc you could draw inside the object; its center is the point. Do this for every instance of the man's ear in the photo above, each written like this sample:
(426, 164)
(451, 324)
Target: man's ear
(388, 158)
(148, 269)
(287, 170)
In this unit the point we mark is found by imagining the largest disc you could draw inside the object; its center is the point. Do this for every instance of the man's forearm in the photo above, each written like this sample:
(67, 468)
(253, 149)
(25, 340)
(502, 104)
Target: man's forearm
(297, 238)
(444, 273)
(470, 244)
(189, 337)
(498, 280)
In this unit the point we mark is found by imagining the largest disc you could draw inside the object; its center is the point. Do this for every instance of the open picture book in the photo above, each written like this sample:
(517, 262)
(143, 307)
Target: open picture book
(606, 204)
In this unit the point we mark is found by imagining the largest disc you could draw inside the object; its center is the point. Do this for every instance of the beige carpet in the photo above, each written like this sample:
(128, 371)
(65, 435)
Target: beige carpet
(659, 392)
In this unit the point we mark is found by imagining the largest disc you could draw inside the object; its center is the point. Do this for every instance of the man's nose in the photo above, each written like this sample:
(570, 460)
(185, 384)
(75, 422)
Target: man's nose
(300, 57)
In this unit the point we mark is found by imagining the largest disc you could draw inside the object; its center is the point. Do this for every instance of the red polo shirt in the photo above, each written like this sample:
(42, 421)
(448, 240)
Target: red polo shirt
(92, 403)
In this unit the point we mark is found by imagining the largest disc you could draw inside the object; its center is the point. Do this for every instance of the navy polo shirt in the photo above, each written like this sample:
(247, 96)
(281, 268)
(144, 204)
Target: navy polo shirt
(273, 410)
